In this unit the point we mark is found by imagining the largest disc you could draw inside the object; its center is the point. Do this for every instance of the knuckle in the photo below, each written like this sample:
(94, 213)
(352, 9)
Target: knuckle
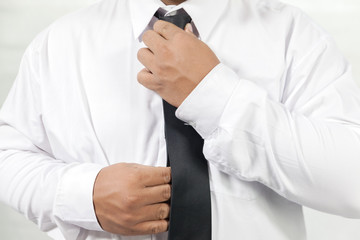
(158, 86)
(163, 70)
(154, 229)
(179, 37)
(166, 52)
(156, 25)
(130, 201)
(141, 176)
(136, 172)
(163, 211)
(157, 69)
(165, 175)
(162, 26)
(146, 36)
(160, 73)
(127, 219)
(164, 49)
(132, 169)
(132, 179)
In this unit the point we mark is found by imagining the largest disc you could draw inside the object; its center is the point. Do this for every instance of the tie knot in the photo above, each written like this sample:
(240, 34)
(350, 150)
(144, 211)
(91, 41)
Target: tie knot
(179, 17)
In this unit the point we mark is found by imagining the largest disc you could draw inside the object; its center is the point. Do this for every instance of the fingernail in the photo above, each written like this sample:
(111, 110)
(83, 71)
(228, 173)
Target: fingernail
(189, 28)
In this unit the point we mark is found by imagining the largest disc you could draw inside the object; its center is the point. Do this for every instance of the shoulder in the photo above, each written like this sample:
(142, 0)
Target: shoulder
(275, 17)
(84, 23)
(291, 18)
(298, 32)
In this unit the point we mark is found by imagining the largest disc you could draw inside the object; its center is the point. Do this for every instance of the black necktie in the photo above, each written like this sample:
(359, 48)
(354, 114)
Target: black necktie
(190, 211)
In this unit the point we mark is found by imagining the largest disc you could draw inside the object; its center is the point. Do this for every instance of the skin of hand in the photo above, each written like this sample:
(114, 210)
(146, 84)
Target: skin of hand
(175, 61)
(132, 199)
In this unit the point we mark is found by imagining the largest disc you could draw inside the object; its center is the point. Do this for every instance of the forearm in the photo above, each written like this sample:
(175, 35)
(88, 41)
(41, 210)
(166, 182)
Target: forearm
(47, 191)
(28, 183)
(309, 160)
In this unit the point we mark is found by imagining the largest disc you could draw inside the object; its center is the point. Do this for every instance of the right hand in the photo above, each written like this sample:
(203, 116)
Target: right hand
(132, 199)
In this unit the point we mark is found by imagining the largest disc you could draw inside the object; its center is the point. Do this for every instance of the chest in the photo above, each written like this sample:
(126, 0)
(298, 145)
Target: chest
(97, 104)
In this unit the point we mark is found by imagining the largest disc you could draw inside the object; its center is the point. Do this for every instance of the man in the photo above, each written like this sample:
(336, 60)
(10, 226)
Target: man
(265, 88)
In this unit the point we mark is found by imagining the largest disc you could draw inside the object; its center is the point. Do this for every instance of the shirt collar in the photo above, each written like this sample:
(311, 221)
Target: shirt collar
(205, 14)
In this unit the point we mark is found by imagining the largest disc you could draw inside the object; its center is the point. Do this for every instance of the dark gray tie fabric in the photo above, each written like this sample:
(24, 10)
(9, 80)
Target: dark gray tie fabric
(190, 211)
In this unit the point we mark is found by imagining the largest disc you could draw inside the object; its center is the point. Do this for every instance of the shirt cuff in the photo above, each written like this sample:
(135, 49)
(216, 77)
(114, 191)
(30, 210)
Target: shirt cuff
(74, 197)
(203, 108)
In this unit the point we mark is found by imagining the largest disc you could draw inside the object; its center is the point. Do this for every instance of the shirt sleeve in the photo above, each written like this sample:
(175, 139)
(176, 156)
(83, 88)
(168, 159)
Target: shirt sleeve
(305, 146)
(48, 191)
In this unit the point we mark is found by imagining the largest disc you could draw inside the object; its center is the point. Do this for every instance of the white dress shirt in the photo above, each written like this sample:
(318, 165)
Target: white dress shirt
(280, 117)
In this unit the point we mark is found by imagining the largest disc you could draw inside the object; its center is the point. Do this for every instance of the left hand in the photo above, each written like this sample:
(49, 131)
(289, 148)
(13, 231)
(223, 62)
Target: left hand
(175, 61)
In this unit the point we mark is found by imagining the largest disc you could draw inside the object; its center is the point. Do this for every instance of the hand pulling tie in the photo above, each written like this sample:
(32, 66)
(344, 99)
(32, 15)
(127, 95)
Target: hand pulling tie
(190, 211)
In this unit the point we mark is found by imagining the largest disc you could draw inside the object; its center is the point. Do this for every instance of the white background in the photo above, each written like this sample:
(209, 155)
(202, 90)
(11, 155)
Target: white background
(21, 20)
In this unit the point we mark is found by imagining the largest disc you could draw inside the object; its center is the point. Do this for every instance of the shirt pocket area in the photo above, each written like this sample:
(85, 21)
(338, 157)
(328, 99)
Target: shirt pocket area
(225, 184)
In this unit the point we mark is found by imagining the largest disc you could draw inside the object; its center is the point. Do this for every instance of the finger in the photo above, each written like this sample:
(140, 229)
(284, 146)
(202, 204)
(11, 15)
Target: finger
(146, 57)
(153, 212)
(165, 29)
(148, 80)
(157, 194)
(151, 227)
(153, 40)
(154, 176)
(189, 29)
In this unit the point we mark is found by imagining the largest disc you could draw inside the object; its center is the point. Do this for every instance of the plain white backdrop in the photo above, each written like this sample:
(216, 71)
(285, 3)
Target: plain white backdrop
(21, 20)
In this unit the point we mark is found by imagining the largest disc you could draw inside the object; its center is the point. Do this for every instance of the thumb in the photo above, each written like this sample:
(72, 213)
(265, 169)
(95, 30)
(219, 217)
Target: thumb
(189, 29)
